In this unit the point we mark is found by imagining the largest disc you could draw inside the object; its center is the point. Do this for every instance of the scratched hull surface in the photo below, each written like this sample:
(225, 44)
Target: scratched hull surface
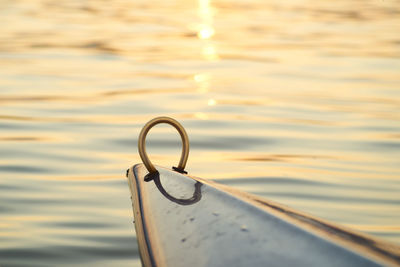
(187, 222)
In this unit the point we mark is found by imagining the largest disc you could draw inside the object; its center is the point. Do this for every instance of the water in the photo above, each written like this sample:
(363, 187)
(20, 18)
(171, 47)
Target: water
(296, 101)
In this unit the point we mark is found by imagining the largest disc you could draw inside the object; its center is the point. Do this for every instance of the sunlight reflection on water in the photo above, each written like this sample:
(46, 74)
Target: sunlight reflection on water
(295, 102)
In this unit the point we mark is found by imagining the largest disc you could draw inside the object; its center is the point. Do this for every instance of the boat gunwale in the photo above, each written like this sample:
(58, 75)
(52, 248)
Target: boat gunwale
(142, 232)
(360, 243)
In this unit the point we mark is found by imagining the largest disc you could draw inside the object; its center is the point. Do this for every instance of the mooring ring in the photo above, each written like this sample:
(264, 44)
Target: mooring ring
(142, 143)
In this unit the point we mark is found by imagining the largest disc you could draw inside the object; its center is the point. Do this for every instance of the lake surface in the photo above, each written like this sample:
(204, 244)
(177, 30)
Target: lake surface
(296, 101)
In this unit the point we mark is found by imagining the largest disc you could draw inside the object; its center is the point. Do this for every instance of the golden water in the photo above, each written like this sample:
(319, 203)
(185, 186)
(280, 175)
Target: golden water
(297, 101)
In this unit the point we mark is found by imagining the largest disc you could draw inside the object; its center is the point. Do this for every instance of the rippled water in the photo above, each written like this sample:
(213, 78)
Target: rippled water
(297, 101)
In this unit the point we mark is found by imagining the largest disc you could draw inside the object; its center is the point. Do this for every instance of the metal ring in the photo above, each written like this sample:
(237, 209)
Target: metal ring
(142, 143)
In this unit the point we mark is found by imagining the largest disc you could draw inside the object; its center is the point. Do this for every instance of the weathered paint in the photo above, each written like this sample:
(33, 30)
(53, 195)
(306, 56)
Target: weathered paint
(187, 221)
